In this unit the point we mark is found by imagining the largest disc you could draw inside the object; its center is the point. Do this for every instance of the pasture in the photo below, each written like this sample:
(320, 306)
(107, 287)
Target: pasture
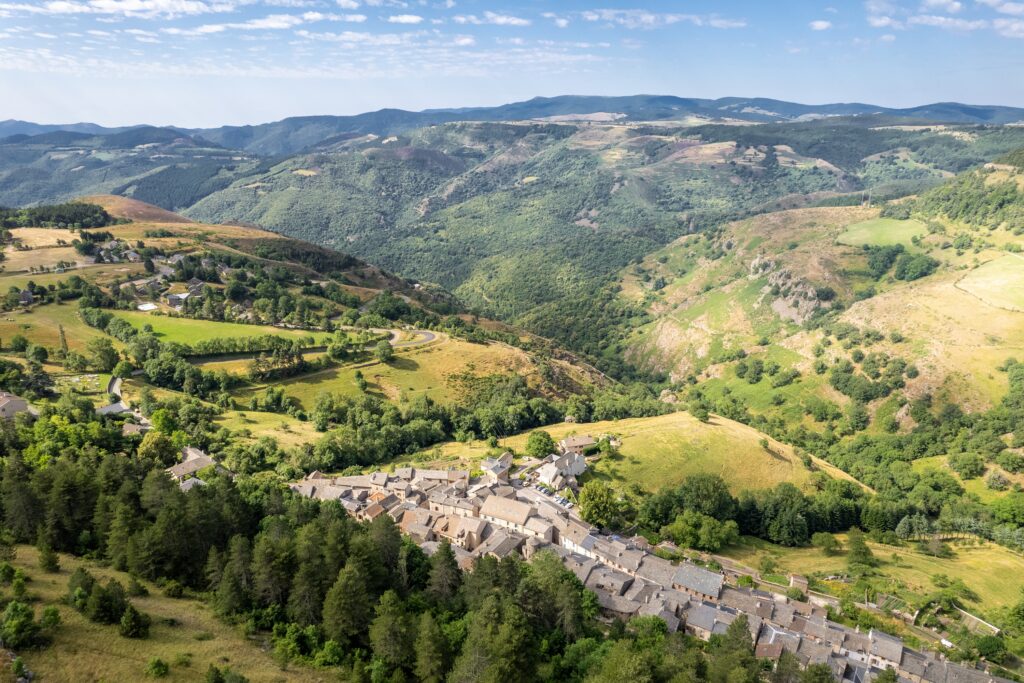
(185, 634)
(286, 430)
(41, 325)
(27, 259)
(190, 331)
(999, 282)
(42, 237)
(991, 571)
(662, 451)
(100, 274)
(881, 232)
(414, 371)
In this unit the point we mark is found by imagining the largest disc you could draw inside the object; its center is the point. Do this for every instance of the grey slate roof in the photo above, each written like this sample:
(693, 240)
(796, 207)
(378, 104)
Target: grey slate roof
(698, 579)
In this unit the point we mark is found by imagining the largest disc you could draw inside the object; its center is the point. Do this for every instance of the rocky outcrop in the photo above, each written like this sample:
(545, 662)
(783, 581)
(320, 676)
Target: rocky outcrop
(793, 298)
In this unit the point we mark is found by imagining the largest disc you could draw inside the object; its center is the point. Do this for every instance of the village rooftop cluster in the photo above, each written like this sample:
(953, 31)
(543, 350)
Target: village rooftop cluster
(497, 515)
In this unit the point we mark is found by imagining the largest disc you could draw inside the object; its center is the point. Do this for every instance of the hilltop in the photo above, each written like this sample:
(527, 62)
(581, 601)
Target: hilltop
(576, 197)
(295, 134)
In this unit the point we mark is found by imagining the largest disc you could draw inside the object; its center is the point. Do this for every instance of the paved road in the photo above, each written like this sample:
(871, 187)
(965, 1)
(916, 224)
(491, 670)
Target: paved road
(114, 386)
(423, 337)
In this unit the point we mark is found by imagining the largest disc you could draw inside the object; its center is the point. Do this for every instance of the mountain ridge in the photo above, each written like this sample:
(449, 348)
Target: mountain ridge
(294, 134)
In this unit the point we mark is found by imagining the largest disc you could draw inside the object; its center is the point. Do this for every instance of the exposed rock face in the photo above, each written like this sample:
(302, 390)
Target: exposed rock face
(795, 298)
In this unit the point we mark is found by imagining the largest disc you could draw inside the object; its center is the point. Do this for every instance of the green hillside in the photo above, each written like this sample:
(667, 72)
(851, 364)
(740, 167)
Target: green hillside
(527, 222)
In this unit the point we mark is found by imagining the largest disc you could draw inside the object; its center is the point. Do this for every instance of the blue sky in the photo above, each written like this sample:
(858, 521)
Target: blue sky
(211, 62)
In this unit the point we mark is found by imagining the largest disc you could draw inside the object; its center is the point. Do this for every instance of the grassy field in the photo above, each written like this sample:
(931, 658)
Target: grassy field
(999, 282)
(101, 274)
(189, 331)
(183, 630)
(958, 339)
(974, 486)
(42, 237)
(662, 451)
(881, 232)
(414, 371)
(23, 260)
(991, 571)
(285, 429)
(41, 325)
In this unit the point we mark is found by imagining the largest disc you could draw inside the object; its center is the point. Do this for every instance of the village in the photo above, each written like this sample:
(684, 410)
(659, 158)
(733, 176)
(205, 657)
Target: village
(499, 515)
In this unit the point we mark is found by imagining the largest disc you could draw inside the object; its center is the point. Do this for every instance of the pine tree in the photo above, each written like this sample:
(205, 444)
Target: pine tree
(787, 669)
(858, 552)
(234, 590)
(390, 634)
(63, 341)
(214, 568)
(347, 608)
(134, 624)
(48, 560)
(431, 651)
(387, 539)
(445, 576)
(231, 597)
(21, 507)
(118, 537)
(273, 564)
(306, 598)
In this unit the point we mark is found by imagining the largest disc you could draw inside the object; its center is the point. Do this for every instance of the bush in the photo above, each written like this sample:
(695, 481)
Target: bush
(967, 465)
(173, 589)
(134, 624)
(51, 618)
(157, 668)
(18, 628)
(826, 542)
(136, 589)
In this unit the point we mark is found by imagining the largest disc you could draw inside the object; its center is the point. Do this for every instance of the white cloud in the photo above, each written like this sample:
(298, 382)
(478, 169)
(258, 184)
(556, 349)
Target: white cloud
(820, 25)
(492, 18)
(405, 19)
(887, 38)
(47, 36)
(639, 18)
(273, 22)
(125, 8)
(318, 16)
(1014, 8)
(357, 37)
(884, 22)
(347, 4)
(1009, 28)
(948, 6)
(464, 41)
(560, 22)
(948, 23)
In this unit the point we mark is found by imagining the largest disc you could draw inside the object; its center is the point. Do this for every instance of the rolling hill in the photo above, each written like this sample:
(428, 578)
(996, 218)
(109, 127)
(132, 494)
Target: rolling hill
(528, 221)
(296, 134)
(661, 451)
(802, 290)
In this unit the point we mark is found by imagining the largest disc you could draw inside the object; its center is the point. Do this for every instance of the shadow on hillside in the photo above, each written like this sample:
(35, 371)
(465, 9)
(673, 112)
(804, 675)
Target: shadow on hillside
(403, 363)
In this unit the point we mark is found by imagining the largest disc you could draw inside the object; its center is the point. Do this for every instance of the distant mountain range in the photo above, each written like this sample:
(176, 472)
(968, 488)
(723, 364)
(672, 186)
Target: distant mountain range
(295, 134)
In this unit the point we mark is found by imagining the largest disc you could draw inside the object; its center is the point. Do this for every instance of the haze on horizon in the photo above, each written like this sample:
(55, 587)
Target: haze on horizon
(205, 63)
